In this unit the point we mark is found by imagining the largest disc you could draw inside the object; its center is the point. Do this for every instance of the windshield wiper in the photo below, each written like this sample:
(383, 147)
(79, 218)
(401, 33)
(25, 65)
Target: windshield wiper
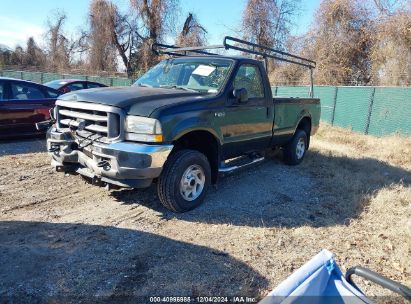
(177, 88)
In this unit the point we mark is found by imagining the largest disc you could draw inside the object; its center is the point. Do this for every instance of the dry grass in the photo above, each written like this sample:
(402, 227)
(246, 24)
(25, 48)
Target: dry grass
(372, 176)
(394, 149)
(356, 167)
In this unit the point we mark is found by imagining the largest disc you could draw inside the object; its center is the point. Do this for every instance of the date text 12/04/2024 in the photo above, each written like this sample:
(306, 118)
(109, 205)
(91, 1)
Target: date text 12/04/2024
(205, 299)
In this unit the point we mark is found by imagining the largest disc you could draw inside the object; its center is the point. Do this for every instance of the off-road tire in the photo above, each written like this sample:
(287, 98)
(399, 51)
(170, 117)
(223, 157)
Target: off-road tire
(290, 150)
(168, 186)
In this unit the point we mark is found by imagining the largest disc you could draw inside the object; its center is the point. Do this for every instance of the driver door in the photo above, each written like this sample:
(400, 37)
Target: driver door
(247, 126)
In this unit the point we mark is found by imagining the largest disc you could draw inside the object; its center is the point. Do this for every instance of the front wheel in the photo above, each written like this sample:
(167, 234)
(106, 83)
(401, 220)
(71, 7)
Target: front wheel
(184, 181)
(294, 151)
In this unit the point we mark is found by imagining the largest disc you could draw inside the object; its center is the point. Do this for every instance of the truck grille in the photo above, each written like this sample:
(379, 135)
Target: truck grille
(88, 120)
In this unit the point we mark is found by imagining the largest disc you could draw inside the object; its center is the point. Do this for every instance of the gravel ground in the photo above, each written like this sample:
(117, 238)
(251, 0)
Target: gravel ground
(62, 239)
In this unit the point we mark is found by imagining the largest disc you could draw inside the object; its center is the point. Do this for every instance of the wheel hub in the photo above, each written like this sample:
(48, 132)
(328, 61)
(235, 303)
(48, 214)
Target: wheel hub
(300, 148)
(192, 182)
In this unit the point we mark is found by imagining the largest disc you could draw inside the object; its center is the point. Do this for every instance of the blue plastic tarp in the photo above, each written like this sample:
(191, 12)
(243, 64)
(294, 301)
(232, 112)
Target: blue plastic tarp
(320, 280)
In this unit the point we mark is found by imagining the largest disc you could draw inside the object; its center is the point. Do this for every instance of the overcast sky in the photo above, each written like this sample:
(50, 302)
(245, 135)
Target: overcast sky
(20, 19)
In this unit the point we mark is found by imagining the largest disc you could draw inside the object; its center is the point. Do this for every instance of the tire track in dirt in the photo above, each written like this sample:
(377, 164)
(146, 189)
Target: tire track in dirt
(77, 194)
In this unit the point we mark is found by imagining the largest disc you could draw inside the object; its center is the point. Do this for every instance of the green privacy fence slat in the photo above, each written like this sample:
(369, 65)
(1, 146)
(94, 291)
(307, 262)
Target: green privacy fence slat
(352, 107)
(12, 74)
(299, 91)
(377, 110)
(122, 82)
(103, 80)
(41, 77)
(32, 76)
(51, 76)
(325, 93)
(327, 97)
(391, 112)
(74, 76)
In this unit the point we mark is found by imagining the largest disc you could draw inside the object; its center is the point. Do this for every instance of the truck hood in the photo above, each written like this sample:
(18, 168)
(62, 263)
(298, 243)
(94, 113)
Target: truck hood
(134, 100)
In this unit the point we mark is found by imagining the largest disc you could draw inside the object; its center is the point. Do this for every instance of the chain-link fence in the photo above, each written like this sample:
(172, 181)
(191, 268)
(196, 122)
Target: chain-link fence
(377, 111)
(370, 110)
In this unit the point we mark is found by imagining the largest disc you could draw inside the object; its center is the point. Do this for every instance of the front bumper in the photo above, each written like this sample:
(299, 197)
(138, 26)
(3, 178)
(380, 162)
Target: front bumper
(123, 164)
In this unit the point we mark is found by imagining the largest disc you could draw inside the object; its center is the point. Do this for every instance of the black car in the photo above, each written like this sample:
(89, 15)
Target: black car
(69, 85)
(22, 105)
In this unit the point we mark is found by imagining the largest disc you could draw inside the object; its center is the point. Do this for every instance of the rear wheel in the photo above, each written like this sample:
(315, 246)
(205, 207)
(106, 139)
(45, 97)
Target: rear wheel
(184, 181)
(294, 151)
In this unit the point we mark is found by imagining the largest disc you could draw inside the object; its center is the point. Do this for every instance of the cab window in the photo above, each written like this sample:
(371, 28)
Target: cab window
(92, 85)
(75, 86)
(2, 91)
(249, 77)
(25, 91)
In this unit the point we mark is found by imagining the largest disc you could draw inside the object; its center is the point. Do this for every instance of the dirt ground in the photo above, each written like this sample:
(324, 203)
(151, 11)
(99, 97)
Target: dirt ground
(62, 239)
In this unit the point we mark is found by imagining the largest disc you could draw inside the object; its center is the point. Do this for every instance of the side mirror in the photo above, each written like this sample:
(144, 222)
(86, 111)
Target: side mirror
(241, 95)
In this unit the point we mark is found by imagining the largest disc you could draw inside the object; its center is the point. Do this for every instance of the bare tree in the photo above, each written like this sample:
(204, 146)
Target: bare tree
(102, 52)
(268, 22)
(5, 56)
(341, 42)
(56, 37)
(193, 33)
(34, 56)
(355, 42)
(391, 52)
(118, 29)
(389, 7)
(291, 74)
(60, 48)
(156, 19)
(123, 37)
(17, 56)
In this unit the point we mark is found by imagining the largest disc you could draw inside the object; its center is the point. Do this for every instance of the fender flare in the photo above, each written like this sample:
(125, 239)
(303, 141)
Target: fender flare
(192, 125)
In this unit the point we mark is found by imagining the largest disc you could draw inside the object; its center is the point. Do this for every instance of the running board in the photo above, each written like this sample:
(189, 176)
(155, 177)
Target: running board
(238, 163)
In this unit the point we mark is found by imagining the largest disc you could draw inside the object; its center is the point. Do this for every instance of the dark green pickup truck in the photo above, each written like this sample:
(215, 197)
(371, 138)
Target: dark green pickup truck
(185, 121)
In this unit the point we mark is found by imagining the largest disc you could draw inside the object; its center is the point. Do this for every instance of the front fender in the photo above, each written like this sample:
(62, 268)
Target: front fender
(175, 128)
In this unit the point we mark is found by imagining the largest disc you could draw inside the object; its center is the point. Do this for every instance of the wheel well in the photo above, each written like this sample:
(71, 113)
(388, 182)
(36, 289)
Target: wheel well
(205, 143)
(305, 124)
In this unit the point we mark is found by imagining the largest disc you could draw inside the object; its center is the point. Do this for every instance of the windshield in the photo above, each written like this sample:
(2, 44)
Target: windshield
(55, 84)
(191, 74)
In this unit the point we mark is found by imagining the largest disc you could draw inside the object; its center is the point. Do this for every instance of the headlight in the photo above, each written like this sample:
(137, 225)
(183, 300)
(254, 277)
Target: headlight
(143, 129)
